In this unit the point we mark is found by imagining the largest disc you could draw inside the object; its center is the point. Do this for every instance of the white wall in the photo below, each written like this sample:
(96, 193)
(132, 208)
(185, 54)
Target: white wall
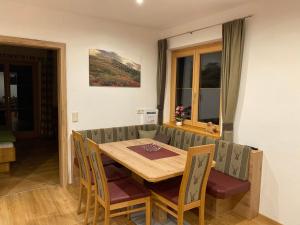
(97, 106)
(269, 101)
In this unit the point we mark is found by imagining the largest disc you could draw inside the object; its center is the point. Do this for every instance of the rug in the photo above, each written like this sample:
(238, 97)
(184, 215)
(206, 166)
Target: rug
(140, 219)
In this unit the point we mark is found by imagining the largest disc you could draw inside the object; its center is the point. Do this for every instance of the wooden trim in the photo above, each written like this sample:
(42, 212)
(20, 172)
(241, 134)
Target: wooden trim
(249, 204)
(4, 167)
(267, 220)
(62, 95)
(195, 52)
(193, 129)
(7, 155)
(128, 212)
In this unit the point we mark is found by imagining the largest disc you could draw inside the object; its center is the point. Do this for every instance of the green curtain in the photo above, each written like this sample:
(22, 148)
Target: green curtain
(232, 57)
(161, 77)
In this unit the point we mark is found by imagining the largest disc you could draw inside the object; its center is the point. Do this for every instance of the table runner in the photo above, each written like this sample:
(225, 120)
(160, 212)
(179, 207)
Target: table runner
(153, 155)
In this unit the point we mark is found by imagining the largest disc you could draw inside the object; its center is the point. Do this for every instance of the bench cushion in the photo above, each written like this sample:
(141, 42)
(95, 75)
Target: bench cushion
(105, 135)
(223, 186)
(7, 136)
(184, 139)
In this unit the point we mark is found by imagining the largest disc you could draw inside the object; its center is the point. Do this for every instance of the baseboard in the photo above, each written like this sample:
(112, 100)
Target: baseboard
(268, 220)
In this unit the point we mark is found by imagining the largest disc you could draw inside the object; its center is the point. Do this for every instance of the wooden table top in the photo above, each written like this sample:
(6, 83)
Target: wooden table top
(150, 170)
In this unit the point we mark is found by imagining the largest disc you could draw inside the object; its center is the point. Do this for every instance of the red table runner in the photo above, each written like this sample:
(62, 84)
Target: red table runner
(152, 155)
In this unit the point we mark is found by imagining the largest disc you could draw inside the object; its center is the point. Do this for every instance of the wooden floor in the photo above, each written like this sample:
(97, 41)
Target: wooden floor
(36, 166)
(53, 205)
(31, 195)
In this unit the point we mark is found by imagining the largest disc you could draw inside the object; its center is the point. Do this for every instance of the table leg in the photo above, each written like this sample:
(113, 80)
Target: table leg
(159, 215)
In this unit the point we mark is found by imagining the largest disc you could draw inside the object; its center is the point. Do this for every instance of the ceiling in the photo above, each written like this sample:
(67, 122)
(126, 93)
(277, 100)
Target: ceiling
(158, 14)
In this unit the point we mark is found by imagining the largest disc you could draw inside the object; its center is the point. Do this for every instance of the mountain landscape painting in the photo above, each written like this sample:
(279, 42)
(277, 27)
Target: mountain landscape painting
(110, 69)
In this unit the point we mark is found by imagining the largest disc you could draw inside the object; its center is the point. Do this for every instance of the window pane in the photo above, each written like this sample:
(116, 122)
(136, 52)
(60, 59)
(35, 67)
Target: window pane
(209, 93)
(184, 84)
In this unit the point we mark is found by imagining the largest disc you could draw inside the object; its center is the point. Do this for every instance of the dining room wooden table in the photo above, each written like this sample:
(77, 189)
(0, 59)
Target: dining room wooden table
(148, 169)
(144, 167)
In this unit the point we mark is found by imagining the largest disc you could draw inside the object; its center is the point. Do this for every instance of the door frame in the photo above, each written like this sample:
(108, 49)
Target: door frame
(62, 95)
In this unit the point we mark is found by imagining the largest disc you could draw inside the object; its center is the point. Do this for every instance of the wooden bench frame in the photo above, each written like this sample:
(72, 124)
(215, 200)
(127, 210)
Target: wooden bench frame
(245, 205)
(7, 155)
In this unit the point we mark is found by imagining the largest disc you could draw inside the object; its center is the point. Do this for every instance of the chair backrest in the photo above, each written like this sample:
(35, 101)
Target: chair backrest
(98, 171)
(197, 169)
(81, 155)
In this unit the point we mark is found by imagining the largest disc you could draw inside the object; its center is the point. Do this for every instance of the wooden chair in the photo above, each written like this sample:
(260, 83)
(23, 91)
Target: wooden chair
(85, 179)
(85, 174)
(121, 197)
(178, 195)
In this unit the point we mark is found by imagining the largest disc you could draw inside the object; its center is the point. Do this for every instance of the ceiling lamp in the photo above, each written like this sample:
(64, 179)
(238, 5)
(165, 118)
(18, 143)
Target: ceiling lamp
(139, 2)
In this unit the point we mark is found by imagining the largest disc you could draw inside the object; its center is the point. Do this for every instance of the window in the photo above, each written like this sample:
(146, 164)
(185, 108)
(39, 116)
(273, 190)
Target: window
(196, 83)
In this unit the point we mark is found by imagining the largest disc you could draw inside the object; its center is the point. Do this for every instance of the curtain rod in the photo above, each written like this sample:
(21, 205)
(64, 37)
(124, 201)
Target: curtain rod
(203, 28)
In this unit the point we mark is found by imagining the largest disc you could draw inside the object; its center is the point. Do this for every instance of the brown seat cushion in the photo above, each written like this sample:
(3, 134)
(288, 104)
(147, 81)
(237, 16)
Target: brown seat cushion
(126, 190)
(223, 186)
(168, 189)
(115, 173)
(112, 172)
(106, 160)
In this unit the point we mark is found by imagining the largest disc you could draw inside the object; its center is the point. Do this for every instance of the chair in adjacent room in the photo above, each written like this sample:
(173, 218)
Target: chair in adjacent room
(175, 196)
(120, 197)
(86, 180)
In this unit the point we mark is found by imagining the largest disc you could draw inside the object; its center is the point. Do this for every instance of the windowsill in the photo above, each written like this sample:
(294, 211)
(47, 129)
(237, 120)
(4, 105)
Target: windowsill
(194, 129)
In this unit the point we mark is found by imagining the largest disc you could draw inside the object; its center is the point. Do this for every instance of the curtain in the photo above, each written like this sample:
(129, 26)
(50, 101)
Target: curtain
(161, 77)
(232, 57)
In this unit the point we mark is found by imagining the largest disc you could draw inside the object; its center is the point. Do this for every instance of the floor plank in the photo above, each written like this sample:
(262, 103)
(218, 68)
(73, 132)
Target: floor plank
(53, 205)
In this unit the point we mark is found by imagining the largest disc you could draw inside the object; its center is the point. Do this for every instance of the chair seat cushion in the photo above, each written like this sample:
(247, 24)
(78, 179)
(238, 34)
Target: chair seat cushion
(115, 173)
(112, 172)
(168, 189)
(224, 186)
(126, 190)
(106, 160)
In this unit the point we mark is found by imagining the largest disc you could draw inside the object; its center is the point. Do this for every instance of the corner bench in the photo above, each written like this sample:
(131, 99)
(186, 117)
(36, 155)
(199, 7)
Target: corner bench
(235, 182)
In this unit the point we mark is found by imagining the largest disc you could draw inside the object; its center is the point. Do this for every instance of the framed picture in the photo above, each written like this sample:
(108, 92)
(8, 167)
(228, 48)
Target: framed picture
(112, 70)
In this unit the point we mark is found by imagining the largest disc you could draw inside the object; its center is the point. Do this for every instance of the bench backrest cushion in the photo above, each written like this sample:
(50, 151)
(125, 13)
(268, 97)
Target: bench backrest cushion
(184, 139)
(106, 135)
(232, 159)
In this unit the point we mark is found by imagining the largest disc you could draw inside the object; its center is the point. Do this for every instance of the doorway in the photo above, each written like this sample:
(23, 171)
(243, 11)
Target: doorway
(12, 116)
(18, 92)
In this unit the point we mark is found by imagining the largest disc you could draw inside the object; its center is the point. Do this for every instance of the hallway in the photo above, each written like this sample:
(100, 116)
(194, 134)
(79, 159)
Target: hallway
(37, 165)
